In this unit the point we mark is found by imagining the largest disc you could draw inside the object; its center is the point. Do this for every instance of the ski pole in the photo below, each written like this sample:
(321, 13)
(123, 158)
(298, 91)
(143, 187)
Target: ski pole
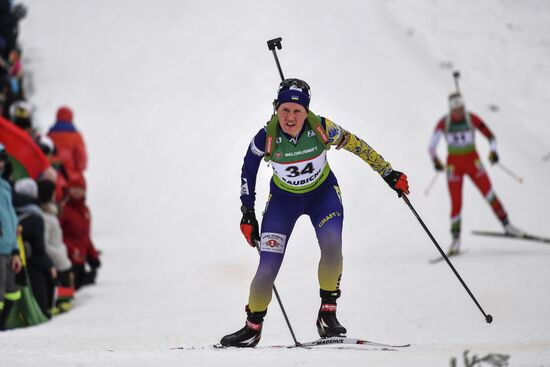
(271, 45)
(296, 342)
(488, 318)
(510, 173)
(431, 184)
(456, 76)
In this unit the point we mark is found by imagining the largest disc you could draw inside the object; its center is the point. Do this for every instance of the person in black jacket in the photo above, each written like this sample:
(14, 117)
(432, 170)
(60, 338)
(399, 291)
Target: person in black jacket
(8, 29)
(9, 52)
(42, 273)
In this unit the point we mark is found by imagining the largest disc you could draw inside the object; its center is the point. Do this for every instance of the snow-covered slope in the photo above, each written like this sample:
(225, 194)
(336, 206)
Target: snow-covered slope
(168, 94)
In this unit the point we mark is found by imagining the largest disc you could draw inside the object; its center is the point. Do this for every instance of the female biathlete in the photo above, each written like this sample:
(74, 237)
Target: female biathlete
(296, 141)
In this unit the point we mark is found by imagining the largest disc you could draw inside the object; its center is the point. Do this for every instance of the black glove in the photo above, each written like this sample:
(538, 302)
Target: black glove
(398, 181)
(493, 157)
(438, 165)
(94, 262)
(249, 226)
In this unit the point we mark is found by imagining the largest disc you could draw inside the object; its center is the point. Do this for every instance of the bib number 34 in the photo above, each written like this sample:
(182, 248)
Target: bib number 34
(294, 171)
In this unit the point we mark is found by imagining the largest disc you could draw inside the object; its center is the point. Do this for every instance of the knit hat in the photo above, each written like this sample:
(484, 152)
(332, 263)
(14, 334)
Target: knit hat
(64, 114)
(46, 188)
(77, 181)
(293, 90)
(455, 101)
(27, 187)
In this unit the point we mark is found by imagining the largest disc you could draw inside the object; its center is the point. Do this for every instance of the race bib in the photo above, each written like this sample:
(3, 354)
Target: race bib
(460, 138)
(301, 173)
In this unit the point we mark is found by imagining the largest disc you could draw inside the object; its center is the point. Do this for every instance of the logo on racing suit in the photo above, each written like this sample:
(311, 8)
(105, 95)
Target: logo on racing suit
(244, 186)
(329, 217)
(301, 152)
(273, 242)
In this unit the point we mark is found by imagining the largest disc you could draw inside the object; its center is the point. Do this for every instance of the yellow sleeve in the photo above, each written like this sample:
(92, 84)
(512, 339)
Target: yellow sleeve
(350, 142)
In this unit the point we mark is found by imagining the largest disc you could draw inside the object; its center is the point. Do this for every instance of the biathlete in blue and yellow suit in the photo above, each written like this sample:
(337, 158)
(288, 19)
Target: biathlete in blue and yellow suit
(296, 141)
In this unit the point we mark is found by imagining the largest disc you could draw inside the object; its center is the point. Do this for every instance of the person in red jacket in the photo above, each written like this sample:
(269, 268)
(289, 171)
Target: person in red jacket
(458, 127)
(75, 222)
(70, 148)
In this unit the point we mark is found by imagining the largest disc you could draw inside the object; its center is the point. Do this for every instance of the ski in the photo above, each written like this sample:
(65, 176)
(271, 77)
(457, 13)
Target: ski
(342, 340)
(511, 236)
(441, 258)
(335, 342)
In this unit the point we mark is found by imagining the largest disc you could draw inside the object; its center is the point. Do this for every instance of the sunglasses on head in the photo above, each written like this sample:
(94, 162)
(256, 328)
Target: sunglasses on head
(295, 84)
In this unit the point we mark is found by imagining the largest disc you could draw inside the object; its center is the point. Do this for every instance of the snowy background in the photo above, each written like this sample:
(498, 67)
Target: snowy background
(168, 95)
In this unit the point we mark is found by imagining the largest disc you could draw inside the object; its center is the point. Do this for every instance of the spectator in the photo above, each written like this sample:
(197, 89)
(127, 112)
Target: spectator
(10, 67)
(70, 148)
(55, 248)
(21, 114)
(42, 273)
(10, 264)
(9, 26)
(75, 222)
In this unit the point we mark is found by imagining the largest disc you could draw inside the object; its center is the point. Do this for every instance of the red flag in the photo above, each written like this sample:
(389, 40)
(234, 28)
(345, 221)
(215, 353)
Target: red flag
(22, 148)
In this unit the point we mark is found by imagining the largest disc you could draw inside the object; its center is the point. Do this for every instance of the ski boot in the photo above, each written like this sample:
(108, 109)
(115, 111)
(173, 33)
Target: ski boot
(327, 323)
(4, 313)
(512, 230)
(454, 249)
(54, 311)
(249, 336)
(65, 296)
(64, 306)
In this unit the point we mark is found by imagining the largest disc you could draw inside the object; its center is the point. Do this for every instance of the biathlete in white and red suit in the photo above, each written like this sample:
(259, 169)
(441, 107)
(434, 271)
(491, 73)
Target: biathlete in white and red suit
(458, 127)
(296, 142)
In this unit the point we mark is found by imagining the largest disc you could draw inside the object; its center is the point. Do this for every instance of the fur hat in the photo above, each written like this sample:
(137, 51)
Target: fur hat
(26, 187)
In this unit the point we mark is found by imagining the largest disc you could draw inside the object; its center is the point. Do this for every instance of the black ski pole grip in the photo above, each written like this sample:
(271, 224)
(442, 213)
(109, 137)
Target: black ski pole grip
(456, 76)
(272, 44)
(276, 42)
